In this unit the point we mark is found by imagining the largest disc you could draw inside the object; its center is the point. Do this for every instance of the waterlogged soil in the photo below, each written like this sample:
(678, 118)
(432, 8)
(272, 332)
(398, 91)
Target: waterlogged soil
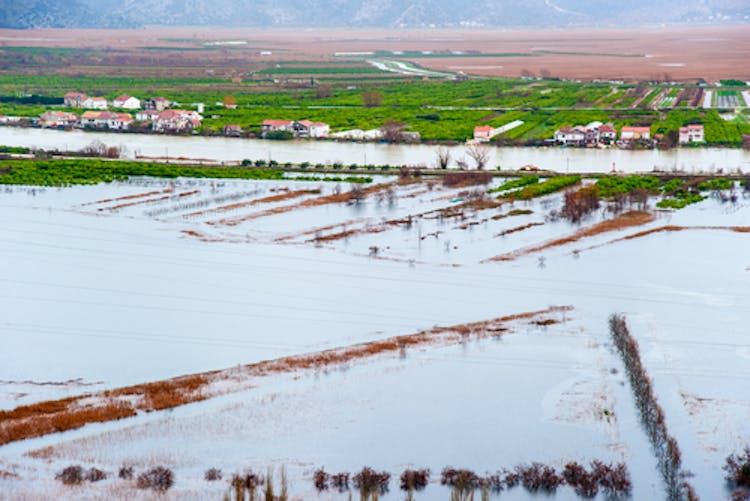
(99, 300)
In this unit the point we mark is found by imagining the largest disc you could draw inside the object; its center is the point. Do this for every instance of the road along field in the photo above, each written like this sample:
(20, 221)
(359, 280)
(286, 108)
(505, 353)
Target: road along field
(338, 326)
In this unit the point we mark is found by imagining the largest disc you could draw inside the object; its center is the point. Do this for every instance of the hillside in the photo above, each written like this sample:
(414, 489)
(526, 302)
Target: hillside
(358, 13)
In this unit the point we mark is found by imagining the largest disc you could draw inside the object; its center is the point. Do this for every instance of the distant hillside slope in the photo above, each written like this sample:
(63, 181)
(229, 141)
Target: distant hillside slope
(361, 13)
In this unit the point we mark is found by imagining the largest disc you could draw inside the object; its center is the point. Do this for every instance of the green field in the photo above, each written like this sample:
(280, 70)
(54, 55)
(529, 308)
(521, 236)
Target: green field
(439, 109)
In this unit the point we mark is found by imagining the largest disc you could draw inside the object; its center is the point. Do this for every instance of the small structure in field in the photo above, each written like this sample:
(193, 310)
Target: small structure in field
(483, 133)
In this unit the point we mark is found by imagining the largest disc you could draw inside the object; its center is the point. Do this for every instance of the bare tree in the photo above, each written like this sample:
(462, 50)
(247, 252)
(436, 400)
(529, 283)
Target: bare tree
(323, 91)
(392, 131)
(443, 157)
(371, 98)
(480, 154)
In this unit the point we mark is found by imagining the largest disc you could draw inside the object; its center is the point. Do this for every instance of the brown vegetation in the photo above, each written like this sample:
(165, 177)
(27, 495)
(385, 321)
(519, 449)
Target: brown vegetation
(518, 228)
(150, 200)
(265, 200)
(626, 220)
(466, 178)
(73, 412)
(671, 228)
(128, 197)
(334, 198)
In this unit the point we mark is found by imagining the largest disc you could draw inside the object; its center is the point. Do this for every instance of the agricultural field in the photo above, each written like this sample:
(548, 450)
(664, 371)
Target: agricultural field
(468, 315)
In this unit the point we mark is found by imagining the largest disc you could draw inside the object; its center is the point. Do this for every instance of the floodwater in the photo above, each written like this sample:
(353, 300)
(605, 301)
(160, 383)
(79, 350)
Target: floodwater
(328, 152)
(97, 297)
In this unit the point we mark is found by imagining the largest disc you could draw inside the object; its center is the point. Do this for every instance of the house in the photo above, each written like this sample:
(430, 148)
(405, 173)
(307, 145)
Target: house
(95, 119)
(127, 102)
(570, 136)
(277, 126)
(176, 121)
(94, 103)
(232, 130)
(483, 133)
(315, 130)
(157, 103)
(607, 134)
(57, 119)
(630, 133)
(146, 115)
(119, 121)
(74, 99)
(692, 134)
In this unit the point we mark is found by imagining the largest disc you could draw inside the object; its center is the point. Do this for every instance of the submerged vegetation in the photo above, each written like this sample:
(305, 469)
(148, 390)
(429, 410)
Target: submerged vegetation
(93, 171)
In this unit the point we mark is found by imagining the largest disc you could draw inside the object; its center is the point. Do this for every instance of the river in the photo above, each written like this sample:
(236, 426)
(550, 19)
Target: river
(328, 152)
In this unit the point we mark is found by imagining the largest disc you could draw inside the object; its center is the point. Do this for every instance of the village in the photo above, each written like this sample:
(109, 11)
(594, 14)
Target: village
(157, 115)
(601, 135)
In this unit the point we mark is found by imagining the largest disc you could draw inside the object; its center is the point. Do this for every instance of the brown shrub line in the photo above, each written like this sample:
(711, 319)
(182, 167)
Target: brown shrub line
(518, 228)
(74, 412)
(669, 228)
(250, 203)
(150, 200)
(664, 446)
(128, 197)
(335, 198)
(626, 220)
(205, 238)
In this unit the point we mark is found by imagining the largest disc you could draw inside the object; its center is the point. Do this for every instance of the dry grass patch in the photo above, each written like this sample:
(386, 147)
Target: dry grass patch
(150, 200)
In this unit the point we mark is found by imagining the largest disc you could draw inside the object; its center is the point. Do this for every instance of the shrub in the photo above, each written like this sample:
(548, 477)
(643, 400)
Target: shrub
(578, 204)
(212, 474)
(320, 479)
(737, 469)
(95, 475)
(414, 479)
(125, 473)
(340, 481)
(260, 163)
(71, 475)
(537, 476)
(159, 479)
(370, 482)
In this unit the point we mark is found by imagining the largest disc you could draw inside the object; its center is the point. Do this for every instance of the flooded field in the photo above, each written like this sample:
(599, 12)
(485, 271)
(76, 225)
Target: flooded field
(401, 324)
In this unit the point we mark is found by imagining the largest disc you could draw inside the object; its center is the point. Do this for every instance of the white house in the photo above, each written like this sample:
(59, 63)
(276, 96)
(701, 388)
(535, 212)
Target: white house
(146, 115)
(176, 121)
(277, 125)
(127, 102)
(692, 134)
(567, 135)
(119, 121)
(315, 130)
(483, 133)
(630, 133)
(94, 103)
(607, 134)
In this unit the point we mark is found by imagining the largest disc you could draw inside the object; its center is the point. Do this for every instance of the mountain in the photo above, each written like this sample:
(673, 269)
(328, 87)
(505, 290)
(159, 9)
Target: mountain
(364, 13)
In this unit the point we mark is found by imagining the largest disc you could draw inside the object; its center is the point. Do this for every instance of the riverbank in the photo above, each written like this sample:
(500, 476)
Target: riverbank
(223, 150)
